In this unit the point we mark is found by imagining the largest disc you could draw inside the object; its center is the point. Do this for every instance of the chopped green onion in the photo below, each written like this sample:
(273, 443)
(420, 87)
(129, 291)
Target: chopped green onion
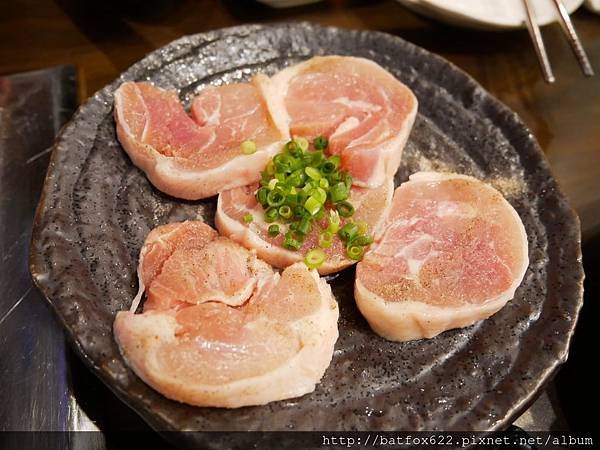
(248, 218)
(348, 232)
(299, 211)
(302, 143)
(304, 226)
(363, 227)
(312, 205)
(325, 239)
(320, 143)
(345, 209)
(285, 211)
(270, 169)
(276, 197)
(273, 230)
(319, 194)
(271, 215)
(248, 147)
(261, 196)
(299, 186)
(290, 242)
(348, 181)
(355, 252)
(312, 173)
(290, 199)
(335, 177)
(291, 147)
(315, 258)
(339, 192)
(362, 240)
(316, 158)
(334, 221)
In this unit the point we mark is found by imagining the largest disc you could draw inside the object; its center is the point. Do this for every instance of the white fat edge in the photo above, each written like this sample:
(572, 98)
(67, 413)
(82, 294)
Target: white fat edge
(357, 104)
(214, 118)
(274, 90)
(141, 289)
(147, 114)
(348, 124)
(160, 240)
(168, 166)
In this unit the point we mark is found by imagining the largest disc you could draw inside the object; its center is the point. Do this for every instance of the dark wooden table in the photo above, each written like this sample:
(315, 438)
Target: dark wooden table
(102, 38)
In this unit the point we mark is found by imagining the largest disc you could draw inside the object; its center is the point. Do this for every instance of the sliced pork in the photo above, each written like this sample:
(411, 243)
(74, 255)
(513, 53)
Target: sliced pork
(220, 327)
(370, 204)
(364, 111)
(194, 157)
(453, 251)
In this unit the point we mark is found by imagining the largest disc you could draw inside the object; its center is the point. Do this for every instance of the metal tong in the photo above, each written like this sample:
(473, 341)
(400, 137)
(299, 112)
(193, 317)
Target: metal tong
(570, 33)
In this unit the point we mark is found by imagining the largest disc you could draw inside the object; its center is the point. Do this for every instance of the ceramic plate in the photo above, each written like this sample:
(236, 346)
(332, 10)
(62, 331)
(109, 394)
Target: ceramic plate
(97, 208)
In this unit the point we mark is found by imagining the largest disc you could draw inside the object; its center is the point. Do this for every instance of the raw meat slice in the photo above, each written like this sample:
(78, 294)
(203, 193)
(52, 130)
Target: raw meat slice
(196, 158)
(453, 252)
(371, 206)
(366, 113)
(224, 329)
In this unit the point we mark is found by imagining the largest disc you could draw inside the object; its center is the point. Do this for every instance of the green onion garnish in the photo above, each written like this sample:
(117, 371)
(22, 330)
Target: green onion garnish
(355, 252)
(276, 197)
(320, 143)
(304, 227)
(315, 258)
(334, 221)
(312, 205)
(363, 226)
(248, 218)
(345, 209)
(261, 196)
(285, 211)
(301, 143)
(306, 190)
(273, 230)
(325, 239)
(363, 240)
(248, 147)
(312, 173)
(348, 232)
(339, 192)
(290, 242)
(271, 215)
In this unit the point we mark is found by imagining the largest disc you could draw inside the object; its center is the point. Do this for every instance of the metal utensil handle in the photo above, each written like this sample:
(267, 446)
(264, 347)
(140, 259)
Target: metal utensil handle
(538, 44)
(569, 30)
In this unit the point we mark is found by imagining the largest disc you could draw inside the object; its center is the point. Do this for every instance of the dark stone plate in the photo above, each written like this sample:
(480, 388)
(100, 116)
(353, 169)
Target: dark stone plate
(97, 208)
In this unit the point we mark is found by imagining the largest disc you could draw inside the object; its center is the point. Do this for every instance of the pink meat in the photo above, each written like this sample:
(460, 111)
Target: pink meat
(199, 156)
(371, 206)
(366, 113)
(220, 327)
(453, 252)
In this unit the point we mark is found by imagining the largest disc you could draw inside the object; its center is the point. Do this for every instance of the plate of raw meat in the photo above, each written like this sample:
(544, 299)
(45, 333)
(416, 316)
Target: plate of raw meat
(338, 361)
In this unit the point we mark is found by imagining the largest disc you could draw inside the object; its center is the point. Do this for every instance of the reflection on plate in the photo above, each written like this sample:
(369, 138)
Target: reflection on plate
(97, 208)
(496, 14)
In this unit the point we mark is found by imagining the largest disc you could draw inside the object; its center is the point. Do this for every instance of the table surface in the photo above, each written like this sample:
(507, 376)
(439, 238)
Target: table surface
(103, 40)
